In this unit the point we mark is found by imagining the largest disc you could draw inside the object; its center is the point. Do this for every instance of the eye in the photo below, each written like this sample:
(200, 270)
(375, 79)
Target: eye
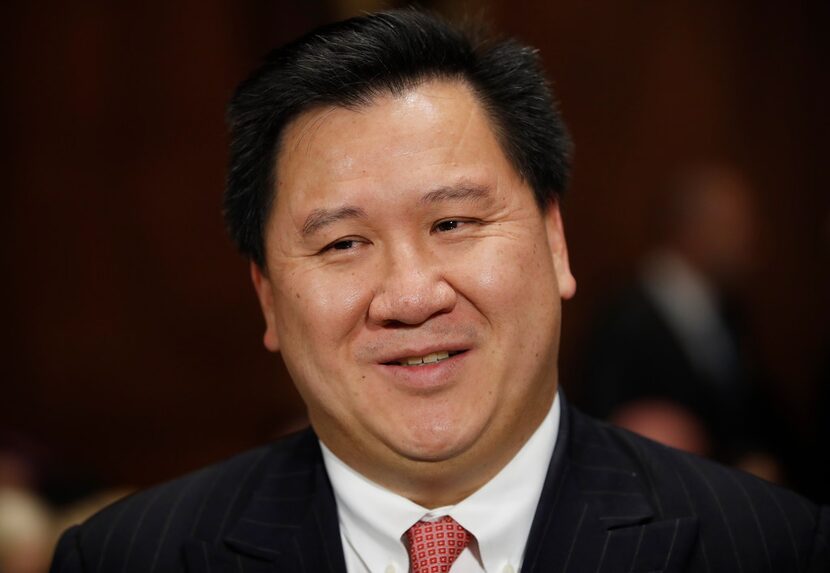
(448, 225)
(347, 244)
(342, 245)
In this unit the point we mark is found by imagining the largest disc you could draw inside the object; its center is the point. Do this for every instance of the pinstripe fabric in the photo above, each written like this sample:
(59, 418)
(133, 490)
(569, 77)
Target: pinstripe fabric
(618, 502)
(612, 502)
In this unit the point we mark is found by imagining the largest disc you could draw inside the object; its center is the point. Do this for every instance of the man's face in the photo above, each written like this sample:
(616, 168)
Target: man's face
(413, 284)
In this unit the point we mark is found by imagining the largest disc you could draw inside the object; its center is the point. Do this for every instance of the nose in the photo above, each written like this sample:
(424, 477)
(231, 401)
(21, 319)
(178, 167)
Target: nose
(412, 288)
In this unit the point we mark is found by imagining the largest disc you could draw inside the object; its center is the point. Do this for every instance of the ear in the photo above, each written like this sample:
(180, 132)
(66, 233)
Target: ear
(265, 293)
(559, 250)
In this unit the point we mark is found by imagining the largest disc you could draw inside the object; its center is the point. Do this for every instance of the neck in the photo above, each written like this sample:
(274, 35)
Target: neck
(438, 483)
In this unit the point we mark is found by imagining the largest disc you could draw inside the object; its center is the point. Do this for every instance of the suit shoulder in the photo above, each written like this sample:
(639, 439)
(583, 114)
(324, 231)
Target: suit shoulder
(145, 531)
(738, 513)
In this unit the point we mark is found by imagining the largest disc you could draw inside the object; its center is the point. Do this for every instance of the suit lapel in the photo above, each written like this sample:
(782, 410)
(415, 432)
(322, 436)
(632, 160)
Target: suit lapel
(288, 524)
(597, 512)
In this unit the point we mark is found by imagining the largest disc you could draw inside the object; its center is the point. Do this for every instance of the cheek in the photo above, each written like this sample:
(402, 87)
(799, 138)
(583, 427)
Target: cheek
(321, 306)
(316, 318)
(335, 299)
(504, 276)
(513, 286)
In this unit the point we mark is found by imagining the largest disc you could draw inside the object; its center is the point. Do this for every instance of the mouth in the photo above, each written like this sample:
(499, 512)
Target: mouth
(431, 358)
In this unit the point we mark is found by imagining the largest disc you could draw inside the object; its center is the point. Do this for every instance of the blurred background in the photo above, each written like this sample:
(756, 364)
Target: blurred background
(132, 348)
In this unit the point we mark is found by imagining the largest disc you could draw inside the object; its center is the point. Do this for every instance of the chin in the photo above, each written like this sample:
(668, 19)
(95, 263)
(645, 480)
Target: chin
(437, 444)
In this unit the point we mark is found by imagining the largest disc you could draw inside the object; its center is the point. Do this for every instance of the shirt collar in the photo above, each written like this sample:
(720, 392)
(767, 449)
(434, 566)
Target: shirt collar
(681, 292)
(373, 519)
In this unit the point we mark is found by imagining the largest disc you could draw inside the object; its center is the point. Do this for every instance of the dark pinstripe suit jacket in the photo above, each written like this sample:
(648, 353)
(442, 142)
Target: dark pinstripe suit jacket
(612, 502)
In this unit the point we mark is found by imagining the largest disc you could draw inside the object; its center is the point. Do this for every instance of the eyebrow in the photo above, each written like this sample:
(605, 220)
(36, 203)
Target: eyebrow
(463, 192)
(320, 218)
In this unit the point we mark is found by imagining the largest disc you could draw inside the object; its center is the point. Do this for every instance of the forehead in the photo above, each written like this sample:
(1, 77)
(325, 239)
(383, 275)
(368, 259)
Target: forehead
(434, 130)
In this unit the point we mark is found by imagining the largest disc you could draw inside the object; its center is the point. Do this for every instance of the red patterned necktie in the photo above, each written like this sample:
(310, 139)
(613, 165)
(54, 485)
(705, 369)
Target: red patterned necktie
(434, 545)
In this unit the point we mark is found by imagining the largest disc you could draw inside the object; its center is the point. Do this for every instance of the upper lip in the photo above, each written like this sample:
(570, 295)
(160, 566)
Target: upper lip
(409, 352)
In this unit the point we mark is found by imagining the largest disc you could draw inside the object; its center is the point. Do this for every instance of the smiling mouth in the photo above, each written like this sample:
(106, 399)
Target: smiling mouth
(431, 358)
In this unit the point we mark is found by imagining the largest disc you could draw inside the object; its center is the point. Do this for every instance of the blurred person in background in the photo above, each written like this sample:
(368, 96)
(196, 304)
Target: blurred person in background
(26, 533)
(669, 358)
(30, 527)
(36, 506)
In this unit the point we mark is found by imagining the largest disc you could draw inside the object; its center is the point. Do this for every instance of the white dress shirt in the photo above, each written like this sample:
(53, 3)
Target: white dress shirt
(374, 520)
(689, 306)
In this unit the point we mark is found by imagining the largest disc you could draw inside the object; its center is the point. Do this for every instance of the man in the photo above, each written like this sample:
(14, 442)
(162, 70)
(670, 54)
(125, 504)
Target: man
(396, 185)
(673, 342)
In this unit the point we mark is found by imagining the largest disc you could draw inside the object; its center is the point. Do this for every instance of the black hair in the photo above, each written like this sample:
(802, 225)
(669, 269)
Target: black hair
(350, 63)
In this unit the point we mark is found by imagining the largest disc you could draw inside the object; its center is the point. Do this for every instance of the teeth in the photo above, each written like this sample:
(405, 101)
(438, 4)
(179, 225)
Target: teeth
(428, 359)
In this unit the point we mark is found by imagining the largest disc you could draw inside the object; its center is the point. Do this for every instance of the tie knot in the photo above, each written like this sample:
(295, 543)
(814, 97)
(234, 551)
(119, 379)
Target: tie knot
(434, 545)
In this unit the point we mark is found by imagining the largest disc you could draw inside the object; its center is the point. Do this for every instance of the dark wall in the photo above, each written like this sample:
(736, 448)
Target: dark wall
(132, 340)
